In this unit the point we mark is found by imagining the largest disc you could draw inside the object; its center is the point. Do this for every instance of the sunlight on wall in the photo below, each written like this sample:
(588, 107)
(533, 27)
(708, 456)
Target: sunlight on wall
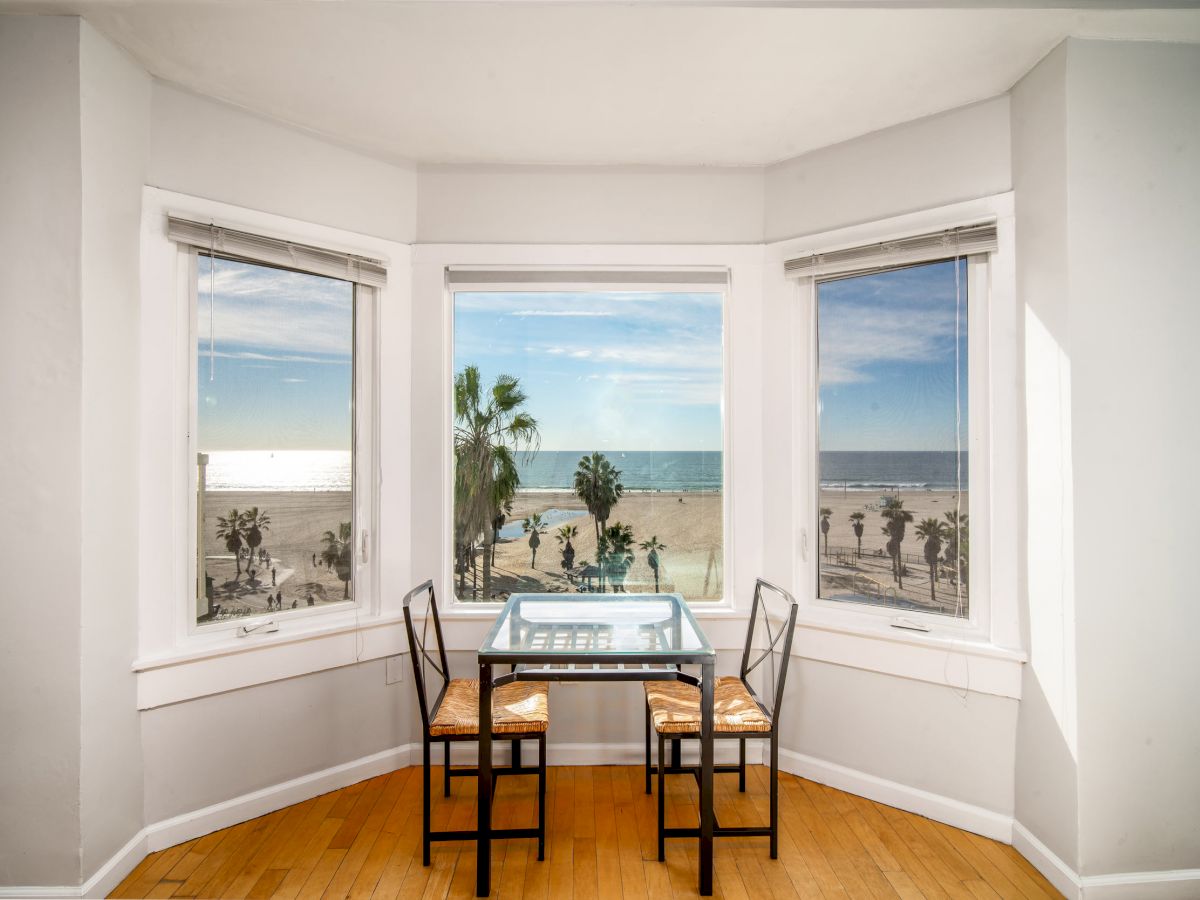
(1050, 546)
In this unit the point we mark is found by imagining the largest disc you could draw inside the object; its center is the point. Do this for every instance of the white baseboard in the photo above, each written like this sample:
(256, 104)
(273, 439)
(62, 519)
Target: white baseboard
(170, 832)
(1046, 861)
(969, 817)
(103, 883)
(1176, 884)
(564, 754)
(1167, 885)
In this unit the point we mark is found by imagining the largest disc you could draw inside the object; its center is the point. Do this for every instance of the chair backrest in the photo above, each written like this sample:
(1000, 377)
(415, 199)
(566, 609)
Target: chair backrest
(771, 603)
(419, 649)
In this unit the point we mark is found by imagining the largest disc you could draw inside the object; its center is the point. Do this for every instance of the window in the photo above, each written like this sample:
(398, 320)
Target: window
(275, 439)
(893, 517)
(282, 489)
(588, 441)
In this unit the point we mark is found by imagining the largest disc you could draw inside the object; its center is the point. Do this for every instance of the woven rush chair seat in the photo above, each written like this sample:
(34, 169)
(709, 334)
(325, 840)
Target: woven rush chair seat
(522, 707)
(675, 707)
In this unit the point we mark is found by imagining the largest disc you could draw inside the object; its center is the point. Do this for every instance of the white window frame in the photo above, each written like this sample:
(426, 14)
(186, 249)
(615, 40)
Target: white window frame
(982, 652)
(500, 286)
(178, 659)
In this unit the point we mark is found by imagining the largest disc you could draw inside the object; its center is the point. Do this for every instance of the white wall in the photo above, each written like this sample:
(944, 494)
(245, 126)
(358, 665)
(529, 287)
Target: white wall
(1106, 136)
(209, 149)
(40, 400)
(1134, 226)
(958, 155)
(114, 125)
(1046, 771)
(213, 749)
(593, 205)
(294, 727)
(958, 748)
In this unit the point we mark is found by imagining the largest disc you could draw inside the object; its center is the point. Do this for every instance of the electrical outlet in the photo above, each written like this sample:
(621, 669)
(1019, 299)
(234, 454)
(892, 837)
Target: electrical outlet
(395, 671)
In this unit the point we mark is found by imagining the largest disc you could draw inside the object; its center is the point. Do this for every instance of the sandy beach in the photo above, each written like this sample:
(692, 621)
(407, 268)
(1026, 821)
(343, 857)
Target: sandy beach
(846, 575)
(689, 523)
(298, 519)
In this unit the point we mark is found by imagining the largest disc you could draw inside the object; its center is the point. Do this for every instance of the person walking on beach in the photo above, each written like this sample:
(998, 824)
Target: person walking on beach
(272, 576)
(314, 560)
(279, 600)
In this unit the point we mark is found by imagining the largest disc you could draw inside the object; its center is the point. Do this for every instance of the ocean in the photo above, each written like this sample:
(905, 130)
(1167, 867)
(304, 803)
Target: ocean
(874, 470)
(554, 470)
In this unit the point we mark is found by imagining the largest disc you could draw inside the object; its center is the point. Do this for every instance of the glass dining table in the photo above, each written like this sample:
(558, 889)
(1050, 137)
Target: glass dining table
(602, 637)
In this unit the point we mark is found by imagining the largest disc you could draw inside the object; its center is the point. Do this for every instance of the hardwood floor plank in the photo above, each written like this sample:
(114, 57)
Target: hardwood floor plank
(266, 884)
(365, 841)
(164, 861)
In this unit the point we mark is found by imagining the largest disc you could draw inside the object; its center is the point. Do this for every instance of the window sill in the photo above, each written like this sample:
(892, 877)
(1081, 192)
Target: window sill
(945, 658)
(229, 663)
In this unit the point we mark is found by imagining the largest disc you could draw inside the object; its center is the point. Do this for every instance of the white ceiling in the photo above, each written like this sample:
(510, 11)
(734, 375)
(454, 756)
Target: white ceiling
(599, 83)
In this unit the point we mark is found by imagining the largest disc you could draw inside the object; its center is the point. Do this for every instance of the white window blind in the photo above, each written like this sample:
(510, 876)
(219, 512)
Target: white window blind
(945, 244)
(465, 276)
(274, 251)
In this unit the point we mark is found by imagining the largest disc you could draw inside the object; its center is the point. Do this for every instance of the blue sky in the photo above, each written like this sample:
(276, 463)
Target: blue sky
(603, 370)
(282, 364)
(887, 363)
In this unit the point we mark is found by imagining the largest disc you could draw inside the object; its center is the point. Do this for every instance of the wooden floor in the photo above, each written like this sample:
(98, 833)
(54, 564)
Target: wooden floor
(365, 841)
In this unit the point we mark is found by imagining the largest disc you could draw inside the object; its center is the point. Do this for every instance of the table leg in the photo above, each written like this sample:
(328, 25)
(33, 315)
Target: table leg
(483, 841)
(706, 779)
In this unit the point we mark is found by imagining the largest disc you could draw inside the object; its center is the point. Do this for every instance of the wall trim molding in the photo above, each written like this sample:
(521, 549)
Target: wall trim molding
(967, 816)
(103, 883)
(1168, 884)
(1046, 861)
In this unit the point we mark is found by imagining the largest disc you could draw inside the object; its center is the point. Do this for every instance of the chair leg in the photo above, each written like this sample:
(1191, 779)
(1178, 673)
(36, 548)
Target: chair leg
(541, 797)
(647, 748)
(676, 753)
(446, 773)
(662, 805)
(425, 807)
(742, 765)
(774, 795)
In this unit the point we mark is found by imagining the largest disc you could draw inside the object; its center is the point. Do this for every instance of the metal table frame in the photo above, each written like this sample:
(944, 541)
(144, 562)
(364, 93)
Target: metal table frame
(583, 664)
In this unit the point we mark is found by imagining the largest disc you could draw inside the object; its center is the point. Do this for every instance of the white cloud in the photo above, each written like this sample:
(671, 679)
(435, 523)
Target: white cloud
(556, 313)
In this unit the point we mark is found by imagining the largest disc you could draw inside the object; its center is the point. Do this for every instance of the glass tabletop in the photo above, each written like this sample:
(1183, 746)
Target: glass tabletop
(634, 628)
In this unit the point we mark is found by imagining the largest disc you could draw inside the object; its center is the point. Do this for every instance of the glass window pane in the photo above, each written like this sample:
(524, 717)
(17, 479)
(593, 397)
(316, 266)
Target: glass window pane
(893, 515)
(274, 431)
(588, 440)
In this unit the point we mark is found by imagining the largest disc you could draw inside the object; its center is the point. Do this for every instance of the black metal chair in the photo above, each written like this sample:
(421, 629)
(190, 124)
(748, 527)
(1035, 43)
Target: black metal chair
(673, 712)
(520, 712)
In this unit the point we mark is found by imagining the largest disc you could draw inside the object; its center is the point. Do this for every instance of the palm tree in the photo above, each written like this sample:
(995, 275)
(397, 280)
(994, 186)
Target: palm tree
(958, 547)
(338, 554)
(897, 517)
(856, 521)
(599, 486)
(652, 557)
(617, 541)
(933, 531)
(563, 536)
(498, 523)
(826, 512)
(254, 523)
(488, 433)
(534, 527)
(230, 529)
